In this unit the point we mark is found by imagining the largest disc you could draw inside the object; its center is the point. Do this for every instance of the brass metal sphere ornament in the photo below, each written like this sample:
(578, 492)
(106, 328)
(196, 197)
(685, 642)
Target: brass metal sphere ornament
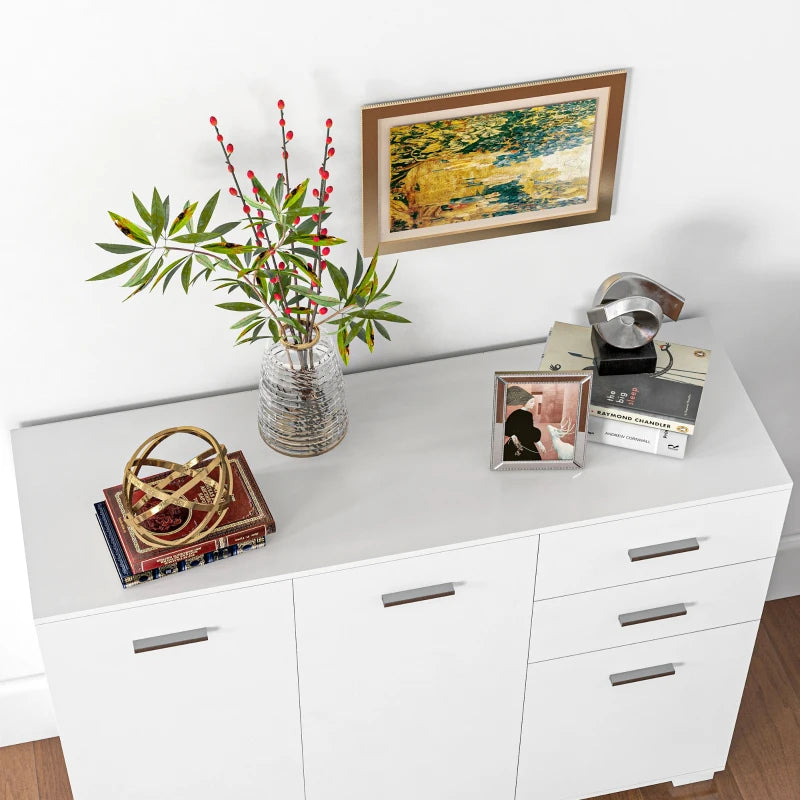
(143, 501)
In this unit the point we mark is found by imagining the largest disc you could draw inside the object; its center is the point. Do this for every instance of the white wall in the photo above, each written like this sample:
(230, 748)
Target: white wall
(101, 98)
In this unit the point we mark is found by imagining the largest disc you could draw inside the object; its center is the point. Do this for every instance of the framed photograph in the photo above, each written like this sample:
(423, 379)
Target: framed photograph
(492, 162)
(540, 419)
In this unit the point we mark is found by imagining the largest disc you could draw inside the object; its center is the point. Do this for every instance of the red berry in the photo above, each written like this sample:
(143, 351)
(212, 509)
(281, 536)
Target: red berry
(219, 137)
(315, 217)
(260, 213)
(233, 191)
(289, 136)
(328, 140)
(281, 105)
(323, 264)
(312, 302)
(329, 123)
(281, 265)
(326, 250)
(329, 190)
(282, 122)
(259, 235)
(331, 151)
(308, 264)
(296, 221)
(315, 192)
(212, 120)
(273, 279)
(327, 174)
(250, 174)
(277, 296)
(322, 172)
(279, 176)
(229, 148)
(316, 238)
(246, 208)
(324, 232)
(230, 167)
(285, 155)
(323, 310)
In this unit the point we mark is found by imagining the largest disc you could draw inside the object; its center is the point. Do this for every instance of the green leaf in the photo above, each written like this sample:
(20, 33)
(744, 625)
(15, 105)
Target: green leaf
(157, 216)
(166, 212)
(195, 238)
(246, 320)
(174, 265)
(274, 330)
(205, 261)
(182, 219)
(392, 304)
(206, 213)
(119, 269)
(341, 343)
(382, 330)
(127, 228)
(226, 227)
(369, 336)
(296, 196)
(143, 283)
(339, 280)
(389, 279)
(186, 275)
(227, 248)
(143, 212)
(137, 276)
(239, 306)
(299, 263)
(119, 248)
(368, 313)
(323, 299)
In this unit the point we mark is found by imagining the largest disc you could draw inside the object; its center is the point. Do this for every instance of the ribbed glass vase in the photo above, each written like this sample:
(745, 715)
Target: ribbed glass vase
(301, 404)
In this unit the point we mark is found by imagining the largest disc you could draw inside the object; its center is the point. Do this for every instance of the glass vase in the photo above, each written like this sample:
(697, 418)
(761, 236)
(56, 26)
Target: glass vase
(301, 404)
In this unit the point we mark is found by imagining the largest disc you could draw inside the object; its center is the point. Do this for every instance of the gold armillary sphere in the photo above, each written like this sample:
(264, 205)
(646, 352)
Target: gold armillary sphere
(142, 500)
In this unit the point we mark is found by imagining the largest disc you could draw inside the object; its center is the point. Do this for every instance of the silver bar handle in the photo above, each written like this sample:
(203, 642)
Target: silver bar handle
(417, 595)
(664, 549)
(646, 674)
(170, 640)
(652, 614)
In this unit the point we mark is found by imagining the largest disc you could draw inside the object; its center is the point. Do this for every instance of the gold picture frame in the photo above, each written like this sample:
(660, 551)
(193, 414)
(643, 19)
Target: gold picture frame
(492, 162)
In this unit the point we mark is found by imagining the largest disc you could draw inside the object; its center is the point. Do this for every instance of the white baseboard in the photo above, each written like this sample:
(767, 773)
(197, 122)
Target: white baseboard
(786, 575)
(26, 711)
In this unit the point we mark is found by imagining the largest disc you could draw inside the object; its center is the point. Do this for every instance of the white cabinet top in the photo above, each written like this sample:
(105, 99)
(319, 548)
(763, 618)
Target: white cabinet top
(411, 476)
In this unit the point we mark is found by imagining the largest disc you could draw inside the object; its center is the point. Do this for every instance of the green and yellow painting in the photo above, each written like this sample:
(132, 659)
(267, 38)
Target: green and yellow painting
(490, 165)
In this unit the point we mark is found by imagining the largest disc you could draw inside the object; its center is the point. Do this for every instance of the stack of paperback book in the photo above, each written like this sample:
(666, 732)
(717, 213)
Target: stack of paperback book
(649, 413)
(245, 526)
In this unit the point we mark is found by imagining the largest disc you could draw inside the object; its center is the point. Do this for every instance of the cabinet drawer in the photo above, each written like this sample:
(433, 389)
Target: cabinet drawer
(640, 612)
(207, 707)
(417, 699)
(583, 736)
(657, 545)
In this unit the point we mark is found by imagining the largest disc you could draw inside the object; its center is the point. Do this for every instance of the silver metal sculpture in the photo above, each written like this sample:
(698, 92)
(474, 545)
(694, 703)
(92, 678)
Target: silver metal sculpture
(628, 309)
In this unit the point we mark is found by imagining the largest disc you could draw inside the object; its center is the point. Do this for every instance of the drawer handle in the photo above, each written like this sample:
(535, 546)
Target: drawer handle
(170, 640)
(417, 595)
(652, 614)
(646, 674)
(665, 549)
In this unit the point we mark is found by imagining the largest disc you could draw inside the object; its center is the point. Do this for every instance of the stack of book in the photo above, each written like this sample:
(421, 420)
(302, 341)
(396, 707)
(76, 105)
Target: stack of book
(245, 526)
(652, 413)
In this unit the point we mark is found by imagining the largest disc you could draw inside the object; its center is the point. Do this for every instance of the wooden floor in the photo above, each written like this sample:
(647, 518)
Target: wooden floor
(764, 762)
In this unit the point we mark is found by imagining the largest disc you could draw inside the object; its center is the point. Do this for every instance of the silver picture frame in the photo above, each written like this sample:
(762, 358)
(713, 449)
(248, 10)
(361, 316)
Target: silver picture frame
(519, 442)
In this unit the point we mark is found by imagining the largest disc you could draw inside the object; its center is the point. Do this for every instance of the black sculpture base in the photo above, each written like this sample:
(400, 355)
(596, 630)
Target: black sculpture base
(612, 360)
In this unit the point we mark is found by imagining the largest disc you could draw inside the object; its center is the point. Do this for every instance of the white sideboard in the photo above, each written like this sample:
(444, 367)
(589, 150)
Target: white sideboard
(419, 625)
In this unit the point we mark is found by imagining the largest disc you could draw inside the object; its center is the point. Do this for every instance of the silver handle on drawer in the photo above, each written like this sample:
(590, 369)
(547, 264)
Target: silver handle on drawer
(646, 674)
(664, 549)
(417, 595)
(652, 614)
(170, 640)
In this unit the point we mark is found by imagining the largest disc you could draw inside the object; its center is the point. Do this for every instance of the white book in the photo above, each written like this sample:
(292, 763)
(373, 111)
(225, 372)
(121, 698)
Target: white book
(637, 437)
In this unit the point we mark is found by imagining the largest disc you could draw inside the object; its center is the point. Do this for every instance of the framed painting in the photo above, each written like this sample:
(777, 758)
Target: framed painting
(540, 420)
(492, 162)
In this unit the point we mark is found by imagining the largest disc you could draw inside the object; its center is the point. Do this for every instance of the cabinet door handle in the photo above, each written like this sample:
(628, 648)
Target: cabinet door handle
(170, 640)
(664, 549)
(646, 674)
(417, 595)
(652, 614)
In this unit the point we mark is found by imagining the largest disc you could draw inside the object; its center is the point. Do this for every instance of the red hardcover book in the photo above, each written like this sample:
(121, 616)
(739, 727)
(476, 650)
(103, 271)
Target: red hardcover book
(248, 515)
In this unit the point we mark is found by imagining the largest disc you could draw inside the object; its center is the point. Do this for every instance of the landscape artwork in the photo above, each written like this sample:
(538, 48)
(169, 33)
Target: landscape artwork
(490, 162)
(491, 165)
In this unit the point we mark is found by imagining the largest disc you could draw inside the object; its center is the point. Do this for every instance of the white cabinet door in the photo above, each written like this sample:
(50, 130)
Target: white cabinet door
(583, 736)
(204, 720)
(419, 700)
